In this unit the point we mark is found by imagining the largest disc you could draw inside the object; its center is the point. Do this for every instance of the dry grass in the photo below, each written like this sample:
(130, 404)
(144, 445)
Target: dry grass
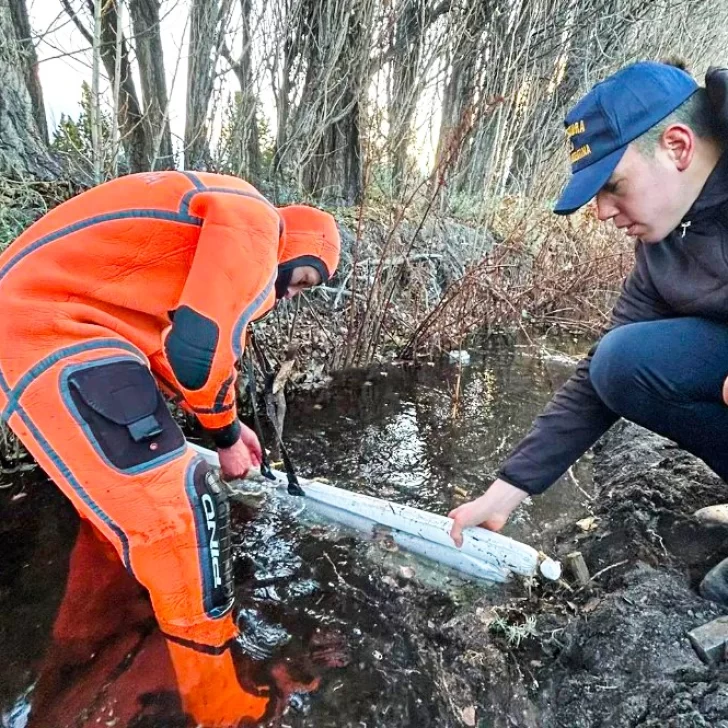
(23, 201)
(543, 272)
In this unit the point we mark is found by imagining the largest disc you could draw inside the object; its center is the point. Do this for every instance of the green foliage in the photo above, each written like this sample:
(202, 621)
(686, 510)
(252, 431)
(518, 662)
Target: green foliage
(73, 138)
(21, 204)
(514, 630)
(12, 222)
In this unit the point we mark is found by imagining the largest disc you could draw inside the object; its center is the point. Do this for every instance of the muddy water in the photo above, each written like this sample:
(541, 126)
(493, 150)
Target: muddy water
(398, 433)
(332, 627)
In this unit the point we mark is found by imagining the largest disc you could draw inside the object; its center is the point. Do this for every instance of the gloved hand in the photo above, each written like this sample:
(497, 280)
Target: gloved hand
(236, 461)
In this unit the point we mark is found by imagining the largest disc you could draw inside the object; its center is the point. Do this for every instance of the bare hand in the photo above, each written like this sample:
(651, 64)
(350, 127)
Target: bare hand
(236, 461)
(490, 511)
(251, 442)
(725, 391)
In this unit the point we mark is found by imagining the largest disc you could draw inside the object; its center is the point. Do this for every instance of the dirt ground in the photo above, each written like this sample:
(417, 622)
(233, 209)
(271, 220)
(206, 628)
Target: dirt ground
(615, 654)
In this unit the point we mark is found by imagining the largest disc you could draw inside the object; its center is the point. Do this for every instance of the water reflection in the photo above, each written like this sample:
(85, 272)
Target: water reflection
(107, 663)
(399, 433)
(78, 643)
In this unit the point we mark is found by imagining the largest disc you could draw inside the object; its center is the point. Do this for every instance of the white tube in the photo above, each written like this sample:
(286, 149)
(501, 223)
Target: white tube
(484, 554)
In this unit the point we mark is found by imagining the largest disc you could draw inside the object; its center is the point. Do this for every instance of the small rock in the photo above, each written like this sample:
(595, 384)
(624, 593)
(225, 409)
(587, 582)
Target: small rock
(468, 715)
(709, 640)
(377, 655)
(591, 605)
(588, 524)
(407, 572)
(713, 514)
(486, 616)
(715, 583)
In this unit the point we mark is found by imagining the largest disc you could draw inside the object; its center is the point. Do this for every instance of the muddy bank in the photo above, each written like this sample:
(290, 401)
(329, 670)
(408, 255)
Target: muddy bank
(615, 654)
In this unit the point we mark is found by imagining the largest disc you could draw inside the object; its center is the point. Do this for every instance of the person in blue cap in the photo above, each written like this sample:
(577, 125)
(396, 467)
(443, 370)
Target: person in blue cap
(647, 144)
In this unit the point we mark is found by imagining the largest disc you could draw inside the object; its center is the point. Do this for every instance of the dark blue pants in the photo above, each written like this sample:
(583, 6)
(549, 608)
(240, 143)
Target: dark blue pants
(668, 377)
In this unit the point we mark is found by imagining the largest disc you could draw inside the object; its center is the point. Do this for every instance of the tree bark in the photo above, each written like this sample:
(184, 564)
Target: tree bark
(324, 139)
(245, 156)
(206, 20)
(148, 44)
(22, 149)
(19, 13)
(405, 63)
(135, 128)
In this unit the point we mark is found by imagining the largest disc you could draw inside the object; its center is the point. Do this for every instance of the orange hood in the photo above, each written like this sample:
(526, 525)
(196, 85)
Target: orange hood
(310, 237)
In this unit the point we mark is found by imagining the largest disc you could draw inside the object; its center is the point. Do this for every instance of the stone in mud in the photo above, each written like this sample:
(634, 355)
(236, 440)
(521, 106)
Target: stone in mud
(709, 640)
(715, 584)
(713, 514)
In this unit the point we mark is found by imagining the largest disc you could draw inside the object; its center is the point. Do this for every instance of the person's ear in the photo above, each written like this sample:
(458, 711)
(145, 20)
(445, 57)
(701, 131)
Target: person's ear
(678, 142)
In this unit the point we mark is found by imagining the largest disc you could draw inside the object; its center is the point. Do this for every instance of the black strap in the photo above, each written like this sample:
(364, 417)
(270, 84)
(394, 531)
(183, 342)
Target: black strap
(265, 470)
(294, 487)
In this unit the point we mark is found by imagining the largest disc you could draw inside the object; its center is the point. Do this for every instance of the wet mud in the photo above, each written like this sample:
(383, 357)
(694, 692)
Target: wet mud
(616, 654)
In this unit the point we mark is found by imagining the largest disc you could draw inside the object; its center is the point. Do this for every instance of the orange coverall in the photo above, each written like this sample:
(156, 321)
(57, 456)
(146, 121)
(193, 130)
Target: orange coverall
(153, 275)
(108, 663)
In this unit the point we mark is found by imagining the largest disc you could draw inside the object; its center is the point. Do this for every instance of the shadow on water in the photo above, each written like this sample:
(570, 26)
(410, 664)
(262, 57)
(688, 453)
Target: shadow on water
(335, 630)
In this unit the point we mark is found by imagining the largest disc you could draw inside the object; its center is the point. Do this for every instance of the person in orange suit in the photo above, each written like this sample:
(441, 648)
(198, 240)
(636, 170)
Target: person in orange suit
(108, 663)
(143, 282)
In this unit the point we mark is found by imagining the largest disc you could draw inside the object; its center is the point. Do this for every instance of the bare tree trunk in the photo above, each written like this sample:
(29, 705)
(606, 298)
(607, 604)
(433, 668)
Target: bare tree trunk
(324, 139)
(22, 149)
(335, 167)
(148, 44)
(206, 20)
(283, 100)
(135, 129)
(405, 63)
(245, 158)
(134, 126)
(29, 59)
(95, 106)
(458, 99)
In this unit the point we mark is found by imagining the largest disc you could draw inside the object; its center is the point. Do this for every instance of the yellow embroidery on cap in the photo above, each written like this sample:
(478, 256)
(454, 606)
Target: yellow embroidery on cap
(580, 153)
(577, 127)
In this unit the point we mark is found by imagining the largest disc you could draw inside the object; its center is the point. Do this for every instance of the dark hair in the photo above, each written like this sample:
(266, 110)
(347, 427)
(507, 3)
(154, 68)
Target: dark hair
(677, 62)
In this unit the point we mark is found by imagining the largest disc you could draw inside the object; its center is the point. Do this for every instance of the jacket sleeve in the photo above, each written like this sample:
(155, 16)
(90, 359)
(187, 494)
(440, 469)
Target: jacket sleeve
(230, 282)
(576, 417)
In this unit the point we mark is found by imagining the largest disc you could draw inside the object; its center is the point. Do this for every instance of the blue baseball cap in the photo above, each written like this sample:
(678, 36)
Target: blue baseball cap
(613, 114)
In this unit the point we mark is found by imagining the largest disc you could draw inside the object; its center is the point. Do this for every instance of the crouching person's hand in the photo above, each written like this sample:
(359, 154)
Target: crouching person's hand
(490, 511)
(236, 461)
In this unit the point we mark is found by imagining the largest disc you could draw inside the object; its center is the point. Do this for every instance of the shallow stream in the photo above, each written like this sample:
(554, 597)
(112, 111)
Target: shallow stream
(332, 625)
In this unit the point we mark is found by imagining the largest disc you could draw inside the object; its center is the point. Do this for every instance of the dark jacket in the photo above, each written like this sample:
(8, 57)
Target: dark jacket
(686, 274)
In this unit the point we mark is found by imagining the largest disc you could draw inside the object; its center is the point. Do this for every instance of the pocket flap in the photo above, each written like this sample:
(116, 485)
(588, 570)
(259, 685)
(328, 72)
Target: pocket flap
(124, 393)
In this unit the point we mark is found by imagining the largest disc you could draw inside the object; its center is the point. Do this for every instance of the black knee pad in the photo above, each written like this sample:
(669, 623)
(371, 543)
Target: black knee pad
(212, 515)
(120, 408)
